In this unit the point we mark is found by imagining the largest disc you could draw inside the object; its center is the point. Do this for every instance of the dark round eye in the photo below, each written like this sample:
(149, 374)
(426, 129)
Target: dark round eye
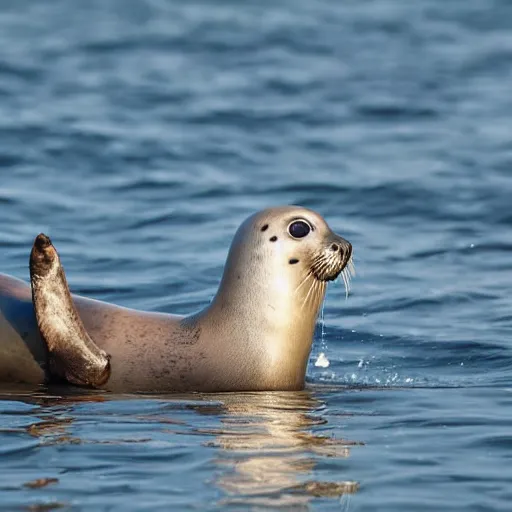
(299, 229)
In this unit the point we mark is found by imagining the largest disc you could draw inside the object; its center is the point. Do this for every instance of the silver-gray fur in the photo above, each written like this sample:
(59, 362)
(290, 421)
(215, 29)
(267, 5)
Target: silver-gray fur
(255, 335)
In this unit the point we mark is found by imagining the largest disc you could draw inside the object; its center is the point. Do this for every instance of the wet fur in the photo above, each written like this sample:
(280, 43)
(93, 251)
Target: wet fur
(72, 354)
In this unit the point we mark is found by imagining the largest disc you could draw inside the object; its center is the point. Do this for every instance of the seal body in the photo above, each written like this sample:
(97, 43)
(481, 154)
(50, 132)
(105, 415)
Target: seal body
(255, 335)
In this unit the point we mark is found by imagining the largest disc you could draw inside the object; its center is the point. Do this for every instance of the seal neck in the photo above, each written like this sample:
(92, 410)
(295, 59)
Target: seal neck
(263, 318)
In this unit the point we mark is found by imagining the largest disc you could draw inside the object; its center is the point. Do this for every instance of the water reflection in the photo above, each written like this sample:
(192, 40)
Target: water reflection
(266, 446)
(53, 417)
(268, 453)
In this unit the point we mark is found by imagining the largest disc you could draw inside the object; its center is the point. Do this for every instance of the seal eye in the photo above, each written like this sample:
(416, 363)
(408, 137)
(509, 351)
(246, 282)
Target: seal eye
(299, 229)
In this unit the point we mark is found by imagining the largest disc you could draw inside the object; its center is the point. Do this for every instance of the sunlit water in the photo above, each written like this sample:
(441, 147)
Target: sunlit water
(139, 134)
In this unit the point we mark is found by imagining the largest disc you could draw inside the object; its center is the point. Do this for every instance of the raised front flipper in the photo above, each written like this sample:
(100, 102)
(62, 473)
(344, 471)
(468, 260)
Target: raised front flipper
(73, 354)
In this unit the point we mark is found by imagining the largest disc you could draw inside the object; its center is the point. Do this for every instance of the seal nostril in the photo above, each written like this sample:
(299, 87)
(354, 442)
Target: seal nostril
(335, 247)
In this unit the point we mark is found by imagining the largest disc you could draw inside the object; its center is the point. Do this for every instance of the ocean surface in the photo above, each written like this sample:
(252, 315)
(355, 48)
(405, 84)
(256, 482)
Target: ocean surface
(139, 134)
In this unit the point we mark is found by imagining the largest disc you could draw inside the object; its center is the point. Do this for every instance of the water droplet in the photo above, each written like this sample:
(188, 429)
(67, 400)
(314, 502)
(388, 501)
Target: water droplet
(322, 361)
(322, 323)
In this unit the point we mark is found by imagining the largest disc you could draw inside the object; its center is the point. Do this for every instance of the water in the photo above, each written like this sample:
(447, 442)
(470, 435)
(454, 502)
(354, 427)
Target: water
(140, 134)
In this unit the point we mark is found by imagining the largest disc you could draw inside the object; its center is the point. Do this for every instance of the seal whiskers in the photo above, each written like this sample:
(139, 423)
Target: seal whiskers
(346, 281)
(306, 277)
(346, 274)
(73, 354)
(318, 289)
(310, 289)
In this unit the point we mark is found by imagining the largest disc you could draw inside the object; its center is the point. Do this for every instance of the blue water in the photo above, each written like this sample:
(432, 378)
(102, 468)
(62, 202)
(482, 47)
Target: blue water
(139, 134)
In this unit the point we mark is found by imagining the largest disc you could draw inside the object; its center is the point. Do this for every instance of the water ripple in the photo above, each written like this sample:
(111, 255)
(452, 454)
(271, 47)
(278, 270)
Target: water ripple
(140, 134)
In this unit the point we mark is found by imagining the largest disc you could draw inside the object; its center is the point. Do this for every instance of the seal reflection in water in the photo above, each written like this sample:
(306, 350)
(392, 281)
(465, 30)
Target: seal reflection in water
(265, 450)
(255, 335)
(268, 451)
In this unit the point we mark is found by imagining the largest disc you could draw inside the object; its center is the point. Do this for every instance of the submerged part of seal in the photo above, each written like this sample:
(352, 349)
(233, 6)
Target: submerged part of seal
(73, 355)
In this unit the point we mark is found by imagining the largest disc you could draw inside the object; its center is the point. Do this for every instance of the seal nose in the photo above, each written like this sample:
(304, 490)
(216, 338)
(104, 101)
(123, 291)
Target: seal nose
(344, 248)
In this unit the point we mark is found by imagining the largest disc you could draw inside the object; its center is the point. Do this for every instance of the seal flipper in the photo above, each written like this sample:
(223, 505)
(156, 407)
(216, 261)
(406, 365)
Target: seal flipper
(73, 354)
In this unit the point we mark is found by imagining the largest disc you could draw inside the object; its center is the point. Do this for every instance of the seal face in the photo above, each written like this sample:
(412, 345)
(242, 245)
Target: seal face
(256, 334)
(325, 265)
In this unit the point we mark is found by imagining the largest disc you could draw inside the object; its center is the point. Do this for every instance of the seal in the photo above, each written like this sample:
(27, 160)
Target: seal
(256, 334)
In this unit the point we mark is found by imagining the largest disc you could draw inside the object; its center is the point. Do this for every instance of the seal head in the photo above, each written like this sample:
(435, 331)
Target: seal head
(269, 298)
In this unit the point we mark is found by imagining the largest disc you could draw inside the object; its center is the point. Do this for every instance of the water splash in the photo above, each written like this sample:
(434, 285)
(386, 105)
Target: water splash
(322, 361)
(323, 343)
